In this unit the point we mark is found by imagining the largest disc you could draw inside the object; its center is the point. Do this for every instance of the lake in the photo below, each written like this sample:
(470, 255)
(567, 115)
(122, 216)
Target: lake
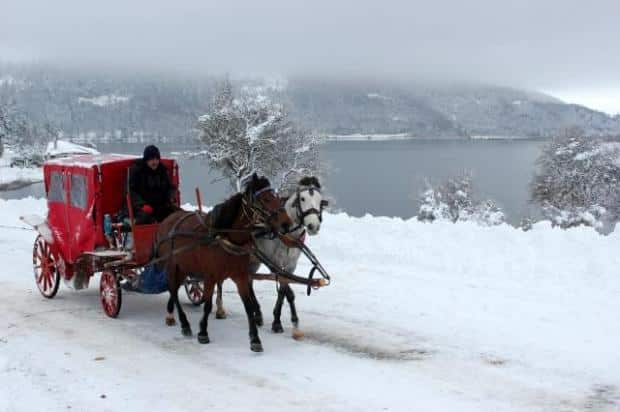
(384, 178)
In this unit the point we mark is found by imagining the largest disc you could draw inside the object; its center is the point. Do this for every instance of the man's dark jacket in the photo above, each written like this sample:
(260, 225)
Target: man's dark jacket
(151, 187)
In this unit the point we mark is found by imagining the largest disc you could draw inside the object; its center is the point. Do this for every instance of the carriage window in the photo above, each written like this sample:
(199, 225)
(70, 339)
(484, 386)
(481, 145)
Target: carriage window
(78, 191)
(56, 191)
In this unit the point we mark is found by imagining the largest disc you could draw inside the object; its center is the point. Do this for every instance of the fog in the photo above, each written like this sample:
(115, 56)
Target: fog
(551, 45)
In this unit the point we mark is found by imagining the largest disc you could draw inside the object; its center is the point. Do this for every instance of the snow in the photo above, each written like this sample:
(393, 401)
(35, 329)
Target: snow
(498, 137)
(15, 177)
(601, 149)
(61, 148)
(104, 100)
(372, 137)
(428, 317)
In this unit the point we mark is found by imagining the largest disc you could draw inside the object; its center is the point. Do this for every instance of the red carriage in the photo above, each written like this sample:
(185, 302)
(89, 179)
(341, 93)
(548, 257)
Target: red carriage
(79, 238)
(73, 243)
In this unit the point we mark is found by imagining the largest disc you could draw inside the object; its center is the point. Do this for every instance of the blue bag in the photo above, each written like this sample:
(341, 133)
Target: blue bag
(152, 280)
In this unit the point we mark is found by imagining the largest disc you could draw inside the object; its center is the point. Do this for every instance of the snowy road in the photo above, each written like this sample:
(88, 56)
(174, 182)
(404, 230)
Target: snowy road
(420, 317)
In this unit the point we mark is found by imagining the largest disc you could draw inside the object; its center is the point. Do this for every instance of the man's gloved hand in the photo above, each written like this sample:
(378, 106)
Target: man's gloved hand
(148, 209)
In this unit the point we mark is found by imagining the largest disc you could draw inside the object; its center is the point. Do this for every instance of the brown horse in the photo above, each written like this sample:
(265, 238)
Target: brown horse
(217, 246)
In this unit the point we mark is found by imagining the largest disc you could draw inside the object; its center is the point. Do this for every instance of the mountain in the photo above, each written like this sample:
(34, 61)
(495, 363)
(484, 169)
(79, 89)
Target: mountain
(96, 105)
(435, 111)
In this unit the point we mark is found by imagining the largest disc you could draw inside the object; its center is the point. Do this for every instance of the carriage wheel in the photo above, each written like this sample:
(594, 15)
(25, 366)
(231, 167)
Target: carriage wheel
(195, 291)
(45, 271)
(110, 293)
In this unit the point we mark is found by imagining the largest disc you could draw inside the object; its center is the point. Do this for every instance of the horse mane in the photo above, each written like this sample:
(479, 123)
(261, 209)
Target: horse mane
(224, 214)
(310, 181)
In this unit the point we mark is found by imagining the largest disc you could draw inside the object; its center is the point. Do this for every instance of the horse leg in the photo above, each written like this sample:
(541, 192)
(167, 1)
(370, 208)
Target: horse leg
(170, 312)
(243, 287)
(258, 315)
(220, 313)
(276, 326)
(203, 335)
(186, 329)
(170, 306)
(290, 298)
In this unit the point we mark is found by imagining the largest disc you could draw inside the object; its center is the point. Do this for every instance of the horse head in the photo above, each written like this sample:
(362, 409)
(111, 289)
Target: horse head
(265, 204)
(307, 204)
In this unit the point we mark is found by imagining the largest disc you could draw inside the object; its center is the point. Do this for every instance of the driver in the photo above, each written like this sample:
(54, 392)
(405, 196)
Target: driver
(152, 193)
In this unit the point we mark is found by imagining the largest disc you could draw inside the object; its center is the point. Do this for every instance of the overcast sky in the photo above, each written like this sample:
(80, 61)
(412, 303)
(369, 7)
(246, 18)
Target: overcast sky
(567, 47)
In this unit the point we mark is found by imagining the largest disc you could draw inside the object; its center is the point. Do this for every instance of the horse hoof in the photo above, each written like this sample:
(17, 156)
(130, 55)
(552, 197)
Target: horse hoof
(220, 315)
(203, 338)
(297, 334)
(170, 321)
(256, 347)
(259, 320)
(186, 332)
(277, 328)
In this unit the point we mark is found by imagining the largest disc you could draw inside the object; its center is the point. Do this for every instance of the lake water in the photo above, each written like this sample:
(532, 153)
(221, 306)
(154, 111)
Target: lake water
(384, 178)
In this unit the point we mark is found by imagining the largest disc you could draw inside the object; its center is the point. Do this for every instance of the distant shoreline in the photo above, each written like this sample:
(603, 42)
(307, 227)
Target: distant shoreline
(362, 137)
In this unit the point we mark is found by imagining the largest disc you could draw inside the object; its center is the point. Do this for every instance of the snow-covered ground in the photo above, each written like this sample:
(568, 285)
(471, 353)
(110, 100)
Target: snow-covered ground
(366, 137)
(15, 177)
(61, 148)
(420, 317)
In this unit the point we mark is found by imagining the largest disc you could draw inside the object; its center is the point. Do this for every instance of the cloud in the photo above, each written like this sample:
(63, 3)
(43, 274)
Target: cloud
(553, 44)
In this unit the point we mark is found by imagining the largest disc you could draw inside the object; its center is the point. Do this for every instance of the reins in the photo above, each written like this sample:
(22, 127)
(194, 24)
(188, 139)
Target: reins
(252, 213)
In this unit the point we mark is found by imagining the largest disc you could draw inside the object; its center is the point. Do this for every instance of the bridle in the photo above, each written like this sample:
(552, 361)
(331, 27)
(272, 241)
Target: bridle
(302, 214)
(256, 211)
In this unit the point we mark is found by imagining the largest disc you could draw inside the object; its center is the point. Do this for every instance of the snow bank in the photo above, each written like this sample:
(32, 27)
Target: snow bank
(432, 317)
(368, 137)
(61, 148)
(16, 177)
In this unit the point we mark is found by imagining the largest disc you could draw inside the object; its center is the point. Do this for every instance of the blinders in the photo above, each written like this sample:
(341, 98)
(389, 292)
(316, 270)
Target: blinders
(257, 206)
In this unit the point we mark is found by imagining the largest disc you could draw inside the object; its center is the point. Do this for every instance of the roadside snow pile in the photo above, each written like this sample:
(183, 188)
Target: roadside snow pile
(439, 317)
(61, 148)
(16, 177)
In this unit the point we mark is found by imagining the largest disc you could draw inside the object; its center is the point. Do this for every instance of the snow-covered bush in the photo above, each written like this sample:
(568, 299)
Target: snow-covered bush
(454, 201)
(576, 216)
(578, 180)
(249, 133)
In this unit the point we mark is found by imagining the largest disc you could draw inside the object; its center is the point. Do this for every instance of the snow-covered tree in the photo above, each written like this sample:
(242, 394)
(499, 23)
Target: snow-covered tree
(249, 133)
(26, 139)
(578, 179)
(454, 201)
(4, 127)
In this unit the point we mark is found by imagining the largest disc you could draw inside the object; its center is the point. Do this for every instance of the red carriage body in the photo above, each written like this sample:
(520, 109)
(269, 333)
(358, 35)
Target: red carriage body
(80, 191)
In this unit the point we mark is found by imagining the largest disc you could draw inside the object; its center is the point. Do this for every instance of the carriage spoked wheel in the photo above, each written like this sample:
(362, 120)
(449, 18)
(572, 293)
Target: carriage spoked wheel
(110, 293)
(45, 270)
(195, 291)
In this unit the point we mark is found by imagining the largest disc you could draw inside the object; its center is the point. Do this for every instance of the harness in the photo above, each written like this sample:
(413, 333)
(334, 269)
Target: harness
(255, 211)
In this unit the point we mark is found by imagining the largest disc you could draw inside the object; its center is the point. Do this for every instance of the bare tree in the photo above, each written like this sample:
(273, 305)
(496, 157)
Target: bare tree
(249, 133)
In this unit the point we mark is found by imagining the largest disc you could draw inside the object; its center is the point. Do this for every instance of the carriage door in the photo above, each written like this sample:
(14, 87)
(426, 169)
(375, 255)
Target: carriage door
(57, 197)
(80, 213)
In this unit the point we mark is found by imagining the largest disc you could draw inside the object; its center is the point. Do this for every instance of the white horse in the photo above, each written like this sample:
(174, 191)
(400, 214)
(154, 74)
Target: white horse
(305, 209)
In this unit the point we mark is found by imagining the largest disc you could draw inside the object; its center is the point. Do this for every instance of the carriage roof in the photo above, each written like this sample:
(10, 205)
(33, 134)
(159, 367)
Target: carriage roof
(88, 161)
